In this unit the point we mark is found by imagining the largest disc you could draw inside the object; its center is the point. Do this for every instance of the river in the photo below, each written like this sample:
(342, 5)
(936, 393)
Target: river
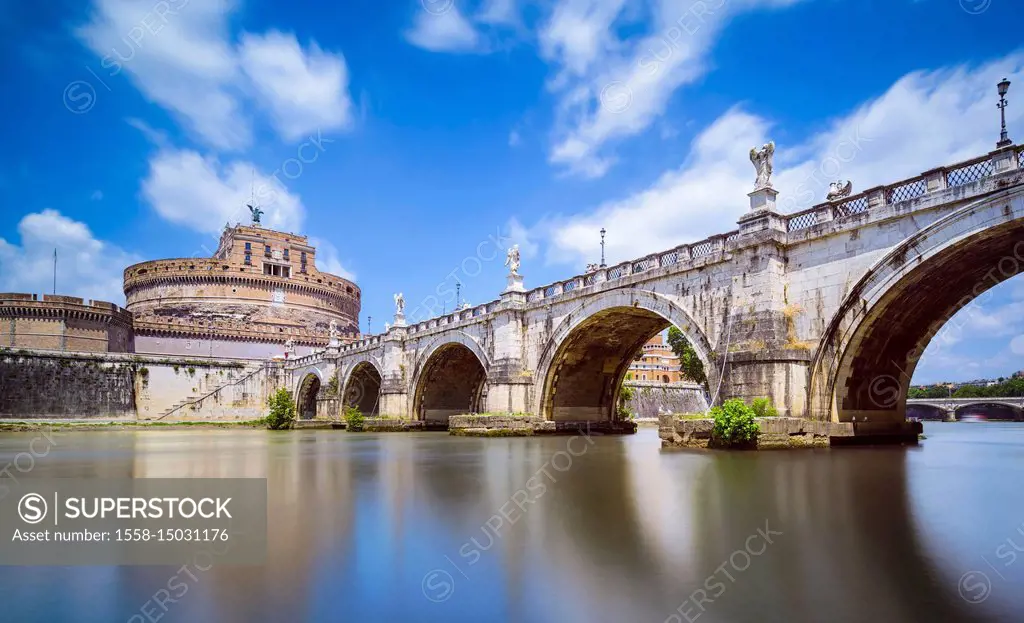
(427, 527)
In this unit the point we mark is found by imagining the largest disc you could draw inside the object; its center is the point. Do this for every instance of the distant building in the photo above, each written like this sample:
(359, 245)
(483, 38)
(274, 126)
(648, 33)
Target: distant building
(657, 363)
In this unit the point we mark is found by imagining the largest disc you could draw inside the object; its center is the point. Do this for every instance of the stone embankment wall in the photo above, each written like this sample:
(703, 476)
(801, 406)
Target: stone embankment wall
(56, 386)
(649, 398)
(190, 390)
(46, 384)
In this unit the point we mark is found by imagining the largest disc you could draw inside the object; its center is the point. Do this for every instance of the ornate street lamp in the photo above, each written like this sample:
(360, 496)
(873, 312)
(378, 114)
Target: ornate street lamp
(603, 265)
(1004, 86)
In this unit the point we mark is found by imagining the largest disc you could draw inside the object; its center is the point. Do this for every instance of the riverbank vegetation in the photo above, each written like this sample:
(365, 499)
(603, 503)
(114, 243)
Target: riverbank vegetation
(354, 419)
(282, 410)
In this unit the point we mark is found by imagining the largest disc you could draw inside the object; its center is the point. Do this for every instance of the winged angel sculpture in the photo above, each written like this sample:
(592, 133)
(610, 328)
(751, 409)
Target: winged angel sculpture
(839, 189)
(762, 161)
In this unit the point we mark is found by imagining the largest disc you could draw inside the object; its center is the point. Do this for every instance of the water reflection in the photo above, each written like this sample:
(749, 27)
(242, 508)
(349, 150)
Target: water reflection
(619, 531)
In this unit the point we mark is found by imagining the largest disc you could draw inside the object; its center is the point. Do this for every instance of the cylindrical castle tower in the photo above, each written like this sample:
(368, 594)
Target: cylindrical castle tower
(260, 291)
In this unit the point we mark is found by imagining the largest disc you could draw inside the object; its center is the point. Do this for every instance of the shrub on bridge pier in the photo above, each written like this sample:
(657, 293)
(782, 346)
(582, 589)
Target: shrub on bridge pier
(282, 410)
(763, 408)
(353, 418)
(735, 426)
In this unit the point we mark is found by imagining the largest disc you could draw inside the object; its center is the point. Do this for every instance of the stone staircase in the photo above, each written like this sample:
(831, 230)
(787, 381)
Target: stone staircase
(247, 372)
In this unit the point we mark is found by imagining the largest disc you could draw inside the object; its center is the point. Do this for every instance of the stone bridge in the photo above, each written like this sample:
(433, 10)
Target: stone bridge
(825, 311)
(949, 406)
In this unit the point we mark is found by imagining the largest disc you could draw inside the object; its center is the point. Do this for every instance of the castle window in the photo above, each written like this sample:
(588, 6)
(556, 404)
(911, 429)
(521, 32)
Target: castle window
(248, 246)
(266, 250)
(286, 254)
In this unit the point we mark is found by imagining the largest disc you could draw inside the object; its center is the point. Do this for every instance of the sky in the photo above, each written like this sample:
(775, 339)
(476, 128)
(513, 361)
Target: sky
(415, 140)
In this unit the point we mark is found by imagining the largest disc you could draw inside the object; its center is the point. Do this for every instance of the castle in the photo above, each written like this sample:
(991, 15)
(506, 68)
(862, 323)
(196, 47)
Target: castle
(259, 296)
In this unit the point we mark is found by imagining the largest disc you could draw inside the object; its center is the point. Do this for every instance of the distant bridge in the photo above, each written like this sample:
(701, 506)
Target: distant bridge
(816, 310)
(949, 406)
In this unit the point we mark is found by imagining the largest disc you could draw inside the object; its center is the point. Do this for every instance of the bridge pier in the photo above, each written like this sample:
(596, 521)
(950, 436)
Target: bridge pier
(780, 376)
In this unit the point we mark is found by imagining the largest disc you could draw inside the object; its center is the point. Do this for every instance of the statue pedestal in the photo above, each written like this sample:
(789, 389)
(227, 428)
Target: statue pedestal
(763, 199)
(334, 343)
(515, 283)
(399, 319)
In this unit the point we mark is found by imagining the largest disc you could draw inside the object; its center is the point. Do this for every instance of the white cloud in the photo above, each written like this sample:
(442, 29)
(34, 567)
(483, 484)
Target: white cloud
(86, 267)
(154, 136)
(498, 12)
(327, 259)
(179, 54)
(304, 89)
(517, 234)
(443, 30)
(701, 198)
(179, 58)
(611, 88)
(1017, 345)
(514, 138)
(200, 193)
(924, 120)
(579, 32)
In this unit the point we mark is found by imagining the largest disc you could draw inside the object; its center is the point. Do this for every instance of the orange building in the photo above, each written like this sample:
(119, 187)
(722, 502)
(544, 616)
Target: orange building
(656, 362)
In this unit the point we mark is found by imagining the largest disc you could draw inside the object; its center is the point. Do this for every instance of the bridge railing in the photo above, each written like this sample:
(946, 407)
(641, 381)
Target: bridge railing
(951, 176)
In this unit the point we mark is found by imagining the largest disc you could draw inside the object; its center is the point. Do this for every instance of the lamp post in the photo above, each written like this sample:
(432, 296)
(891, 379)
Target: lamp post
(1003, 86)
(602, 248)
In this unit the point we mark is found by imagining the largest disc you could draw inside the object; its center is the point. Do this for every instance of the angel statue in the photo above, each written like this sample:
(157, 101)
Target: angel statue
(332, 330)
(399, 304)
(839, 189)
(512, 260)
(256, 213)
(762, 161)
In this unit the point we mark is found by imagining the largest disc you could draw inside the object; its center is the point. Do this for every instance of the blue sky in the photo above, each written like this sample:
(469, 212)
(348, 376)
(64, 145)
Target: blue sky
(433, 134)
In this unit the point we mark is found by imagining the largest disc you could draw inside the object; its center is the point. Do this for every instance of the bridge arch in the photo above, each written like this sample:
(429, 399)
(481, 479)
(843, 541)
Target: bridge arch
(450, 378)
(586, 359)
(360, 384)
(306, 392)
(864, 363)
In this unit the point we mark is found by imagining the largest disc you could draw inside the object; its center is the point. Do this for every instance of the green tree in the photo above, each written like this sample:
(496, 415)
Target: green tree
(282, 410)
(690, 363)
(971, 391)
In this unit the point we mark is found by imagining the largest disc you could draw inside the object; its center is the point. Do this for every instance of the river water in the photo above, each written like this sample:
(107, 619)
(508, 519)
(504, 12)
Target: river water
(427, 527)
